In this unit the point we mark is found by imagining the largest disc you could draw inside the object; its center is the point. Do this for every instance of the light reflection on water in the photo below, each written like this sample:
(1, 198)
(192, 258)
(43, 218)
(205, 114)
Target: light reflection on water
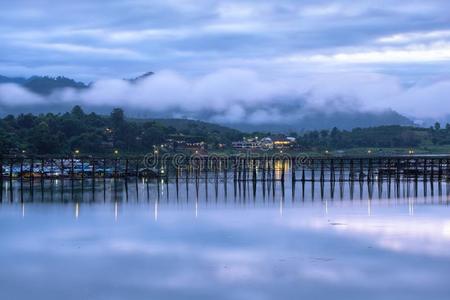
(221, 241)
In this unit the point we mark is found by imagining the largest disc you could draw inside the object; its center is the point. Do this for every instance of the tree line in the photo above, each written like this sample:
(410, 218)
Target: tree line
(92, 133)
(395, 136)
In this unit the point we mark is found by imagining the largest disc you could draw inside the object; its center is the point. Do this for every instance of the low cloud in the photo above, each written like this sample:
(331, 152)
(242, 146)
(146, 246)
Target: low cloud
(12, 95)
(245, 96)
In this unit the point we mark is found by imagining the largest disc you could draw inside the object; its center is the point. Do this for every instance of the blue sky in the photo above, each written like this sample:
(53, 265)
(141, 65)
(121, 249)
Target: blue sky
(392, 50)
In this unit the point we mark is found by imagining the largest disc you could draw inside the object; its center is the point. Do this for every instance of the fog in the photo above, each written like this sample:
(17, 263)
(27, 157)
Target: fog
(246, 96)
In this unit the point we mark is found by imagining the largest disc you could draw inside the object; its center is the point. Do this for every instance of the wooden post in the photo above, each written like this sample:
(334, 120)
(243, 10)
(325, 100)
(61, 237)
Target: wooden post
(1, 179)
(351, 174)
(263, 170)
(235, 171)
(206, 168)
(31, 174)
(42, 178)
(93, 169)
(332, 175)
(82, 169)
(254, 170)
(273, 168)
(10, 172)
(416, 173)
(225, 176)
(137, 168)
(62, 169)
(71, 168)
(440, 170)
(244, 175)
(380, 163)
(447, 170)
(425, 170)
(361, 170)
(93, 178)
(31, 169)
(293, 168)
(432, 170)
(303, 173)
(322, 171)
(369, 171)
(21, 173)
(398, 170)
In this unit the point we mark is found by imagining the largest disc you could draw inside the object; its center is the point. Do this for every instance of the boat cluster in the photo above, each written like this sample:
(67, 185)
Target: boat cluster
(71, 169)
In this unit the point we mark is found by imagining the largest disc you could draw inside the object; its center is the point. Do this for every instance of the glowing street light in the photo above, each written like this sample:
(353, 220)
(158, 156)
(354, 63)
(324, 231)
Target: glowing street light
(116, 152)
(77, 151)
(369, 151)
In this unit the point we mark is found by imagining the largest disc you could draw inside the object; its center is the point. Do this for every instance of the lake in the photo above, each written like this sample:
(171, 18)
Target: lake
(210, 239)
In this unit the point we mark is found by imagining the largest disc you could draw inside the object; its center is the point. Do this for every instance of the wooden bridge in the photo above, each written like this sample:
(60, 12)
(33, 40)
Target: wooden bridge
(25, 174)
(277, 167)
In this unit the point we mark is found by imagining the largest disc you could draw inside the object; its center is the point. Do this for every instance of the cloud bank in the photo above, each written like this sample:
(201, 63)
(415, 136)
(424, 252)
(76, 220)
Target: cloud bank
(234, 61)
(88, 40)
(246, 96)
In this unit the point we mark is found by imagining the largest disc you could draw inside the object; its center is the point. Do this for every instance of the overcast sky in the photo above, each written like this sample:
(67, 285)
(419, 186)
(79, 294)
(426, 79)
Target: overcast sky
(402, 44)
(89, 39)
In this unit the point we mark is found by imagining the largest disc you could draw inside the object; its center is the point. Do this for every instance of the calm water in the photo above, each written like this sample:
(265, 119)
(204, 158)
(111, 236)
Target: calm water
(220, 241)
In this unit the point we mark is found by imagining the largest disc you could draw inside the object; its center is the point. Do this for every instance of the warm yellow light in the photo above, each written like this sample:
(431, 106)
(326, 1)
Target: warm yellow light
(281, 142)
(77, 151)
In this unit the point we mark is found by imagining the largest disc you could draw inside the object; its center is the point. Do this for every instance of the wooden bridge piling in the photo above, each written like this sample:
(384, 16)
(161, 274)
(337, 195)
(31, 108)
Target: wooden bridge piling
(245, 169)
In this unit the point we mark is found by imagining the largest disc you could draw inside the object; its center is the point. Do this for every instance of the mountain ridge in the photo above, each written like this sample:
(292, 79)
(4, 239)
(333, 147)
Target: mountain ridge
(312, 120)
(44, 85)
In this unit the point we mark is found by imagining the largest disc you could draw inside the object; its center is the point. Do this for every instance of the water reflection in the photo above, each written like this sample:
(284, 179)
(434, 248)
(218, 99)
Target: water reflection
(221, 239)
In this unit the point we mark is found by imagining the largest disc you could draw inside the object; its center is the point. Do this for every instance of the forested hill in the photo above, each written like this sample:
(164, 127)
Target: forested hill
(93, 133)
(198, 127)
(44, 85)
(300, 118)
(316, 120)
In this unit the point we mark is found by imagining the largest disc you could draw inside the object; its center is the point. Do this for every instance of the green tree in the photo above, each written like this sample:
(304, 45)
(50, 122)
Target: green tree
(77, 112)
(437, 126)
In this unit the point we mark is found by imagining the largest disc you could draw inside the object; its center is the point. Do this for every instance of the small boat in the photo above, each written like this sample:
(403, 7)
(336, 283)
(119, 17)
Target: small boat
(149, 173)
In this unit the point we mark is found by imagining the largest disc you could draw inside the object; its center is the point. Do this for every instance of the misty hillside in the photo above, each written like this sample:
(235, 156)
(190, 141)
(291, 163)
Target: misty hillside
(141, 77)
(182, 124)
(341, 120)
(195, 127)
(44, 85)
(16, 80)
